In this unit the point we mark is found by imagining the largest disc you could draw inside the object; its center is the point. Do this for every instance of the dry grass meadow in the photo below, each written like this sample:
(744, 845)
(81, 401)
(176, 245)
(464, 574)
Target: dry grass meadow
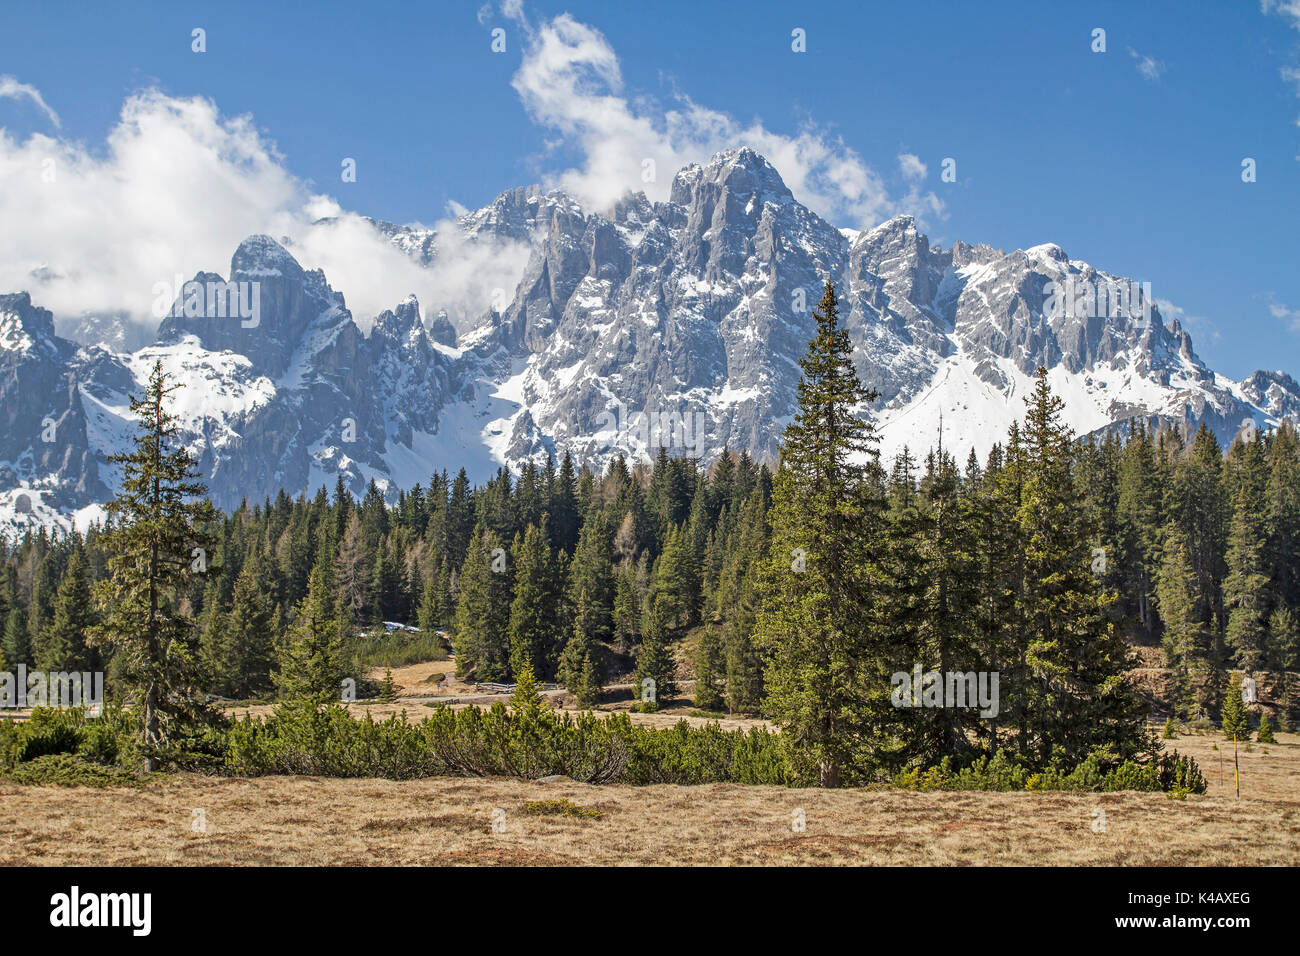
(447, 821)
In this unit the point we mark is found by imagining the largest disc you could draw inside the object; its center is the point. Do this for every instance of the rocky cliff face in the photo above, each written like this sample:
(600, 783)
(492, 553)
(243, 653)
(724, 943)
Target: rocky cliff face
(46, 461)
(677, 323)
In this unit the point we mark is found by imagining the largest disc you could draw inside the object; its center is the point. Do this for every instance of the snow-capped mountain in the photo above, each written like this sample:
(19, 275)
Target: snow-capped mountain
(677, 323)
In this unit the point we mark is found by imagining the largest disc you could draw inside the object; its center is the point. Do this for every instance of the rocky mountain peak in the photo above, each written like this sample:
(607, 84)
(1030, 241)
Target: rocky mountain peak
(677, 323)
(261, 257)
(23, 325)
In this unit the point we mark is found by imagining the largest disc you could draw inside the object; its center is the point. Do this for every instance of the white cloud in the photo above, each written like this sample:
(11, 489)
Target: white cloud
(176, 190)
(1205, 331)
(911, 166)
(11, 88)
(570, 81)
(1289, 9)
(177, 186)
(1149, 67)
(1291, 316)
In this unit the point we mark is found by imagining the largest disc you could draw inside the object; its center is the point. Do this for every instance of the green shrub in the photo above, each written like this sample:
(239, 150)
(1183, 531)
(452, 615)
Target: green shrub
(398, 649)
(529, 741)
(1097, 773)
(561, 808)
(1265, 733)
(70, 770)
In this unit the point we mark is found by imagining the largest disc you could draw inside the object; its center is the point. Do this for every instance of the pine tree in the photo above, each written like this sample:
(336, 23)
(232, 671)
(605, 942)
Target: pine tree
(64, 647)
(17, 646)
(156, 540)
(826, 676)
(311, 667)
(579, 663)
(536, 628)
(1079, 694)
(483, 612)
(710, 666)
(654, 662)
(1264, 734)
(1246, 587)
(248, 647)
(1232, 715)
(387, 689)
(1187, 640)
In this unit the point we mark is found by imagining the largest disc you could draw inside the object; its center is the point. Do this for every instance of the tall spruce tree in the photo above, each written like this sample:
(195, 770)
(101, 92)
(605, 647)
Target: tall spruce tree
(826, 676)
(483, 612)
(1078, 690)
(247, 650)
(536, 623)
(579, 669)
(65, 645)
(654, 661)
(1246, 587)
(311, 669)
(157, 539)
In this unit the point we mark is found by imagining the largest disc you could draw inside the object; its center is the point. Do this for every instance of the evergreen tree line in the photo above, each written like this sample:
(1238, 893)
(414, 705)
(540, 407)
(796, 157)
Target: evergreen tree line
(795, 592)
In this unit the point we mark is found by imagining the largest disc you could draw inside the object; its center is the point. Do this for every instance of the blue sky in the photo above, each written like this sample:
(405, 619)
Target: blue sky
(1130, 159)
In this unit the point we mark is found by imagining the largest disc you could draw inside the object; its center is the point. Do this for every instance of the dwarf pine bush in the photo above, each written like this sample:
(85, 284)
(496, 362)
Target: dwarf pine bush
(528, 742)
(1097, 773)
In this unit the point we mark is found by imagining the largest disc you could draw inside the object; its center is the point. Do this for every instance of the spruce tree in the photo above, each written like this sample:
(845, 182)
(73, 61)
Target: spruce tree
(1138, 527)
(1187, 640)
(1246, 587)
(826, 675)
(483, 612)
(311, 668)
(156, 541)
(1264, 734)
(627, 608)
(1079, 693)
(430, 615)
(536, 627)
(710, 667)
(65, 647)
(17, 646)
(248, 645)
(655, 661)
(579, 667)
(1232, 715)
(592, 571)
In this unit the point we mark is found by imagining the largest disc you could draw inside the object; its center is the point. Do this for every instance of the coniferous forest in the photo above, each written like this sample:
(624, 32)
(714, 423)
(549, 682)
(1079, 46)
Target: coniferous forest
(792, 590)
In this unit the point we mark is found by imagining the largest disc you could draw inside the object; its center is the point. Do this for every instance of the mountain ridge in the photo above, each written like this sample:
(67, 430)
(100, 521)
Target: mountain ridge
(677, 322)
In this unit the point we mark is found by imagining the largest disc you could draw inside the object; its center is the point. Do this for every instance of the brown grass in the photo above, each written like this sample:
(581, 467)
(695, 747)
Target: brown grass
(309, 820)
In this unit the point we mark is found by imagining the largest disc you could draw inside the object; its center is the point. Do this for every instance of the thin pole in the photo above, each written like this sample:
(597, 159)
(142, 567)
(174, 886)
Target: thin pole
(1236, 765)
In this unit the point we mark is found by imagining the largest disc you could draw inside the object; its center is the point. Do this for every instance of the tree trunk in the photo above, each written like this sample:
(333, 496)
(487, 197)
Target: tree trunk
(150, 729)
(830, 775)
